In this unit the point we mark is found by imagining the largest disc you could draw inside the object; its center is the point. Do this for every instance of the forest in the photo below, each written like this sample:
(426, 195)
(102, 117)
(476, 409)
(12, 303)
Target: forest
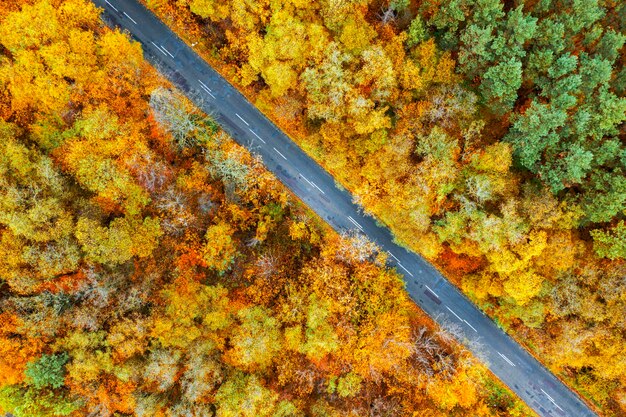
(488, 135)
(151, 267)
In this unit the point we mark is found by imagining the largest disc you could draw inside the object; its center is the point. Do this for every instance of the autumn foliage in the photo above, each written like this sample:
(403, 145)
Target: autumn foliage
(149, 266)
(488, 135)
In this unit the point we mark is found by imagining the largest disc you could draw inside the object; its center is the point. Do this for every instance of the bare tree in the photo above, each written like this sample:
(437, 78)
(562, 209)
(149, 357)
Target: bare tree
(390, 13)
(356, 247)
(152, 174)
(387, 15)
(162, 369)
(267, 264)
(175, 207)
(385, 406)
(170, 111)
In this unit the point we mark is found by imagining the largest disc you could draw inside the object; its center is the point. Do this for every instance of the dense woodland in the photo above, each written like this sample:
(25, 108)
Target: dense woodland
(151, 267)
(488, 135)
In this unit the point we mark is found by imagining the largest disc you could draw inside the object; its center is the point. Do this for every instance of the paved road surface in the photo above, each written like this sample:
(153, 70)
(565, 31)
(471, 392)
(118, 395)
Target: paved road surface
(430, 290)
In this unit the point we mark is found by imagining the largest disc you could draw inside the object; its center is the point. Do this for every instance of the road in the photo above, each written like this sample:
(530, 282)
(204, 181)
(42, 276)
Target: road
(533, 383)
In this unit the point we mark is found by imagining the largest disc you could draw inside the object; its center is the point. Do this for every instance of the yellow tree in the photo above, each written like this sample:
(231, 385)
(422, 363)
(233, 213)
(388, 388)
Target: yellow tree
(220, 249)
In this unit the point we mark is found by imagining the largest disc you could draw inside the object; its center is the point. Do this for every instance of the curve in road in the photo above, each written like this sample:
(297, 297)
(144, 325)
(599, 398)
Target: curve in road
(532, 382)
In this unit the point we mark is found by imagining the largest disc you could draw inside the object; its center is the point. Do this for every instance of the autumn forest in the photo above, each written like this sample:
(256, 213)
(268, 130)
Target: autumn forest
(150, 266)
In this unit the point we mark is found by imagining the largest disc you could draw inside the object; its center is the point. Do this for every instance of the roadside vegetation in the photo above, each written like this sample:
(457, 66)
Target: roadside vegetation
(149, 266)
(488, 135)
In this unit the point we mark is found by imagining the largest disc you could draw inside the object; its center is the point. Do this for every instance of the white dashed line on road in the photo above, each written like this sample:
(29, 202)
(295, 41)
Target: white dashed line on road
(242, 119)
(429, 289)
(204, 86)
(393, 256)
(315, 185)
(467, 322)
(355, 223)
(551, 399)
(407, 271)
(305, 178)
(207, 89)
(168, 52)
(110, 5)
(158, 47)
(547, 395)
(456, 315)
(277, 151)
(131, 19)
(509, 361)
(258, 137)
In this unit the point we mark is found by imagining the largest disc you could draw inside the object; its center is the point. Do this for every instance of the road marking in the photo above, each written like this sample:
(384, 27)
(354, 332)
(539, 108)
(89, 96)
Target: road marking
(109, 3)
(131, 19)
(204, 85)
(306, 179)
(551, 399)
(407, 271)
(208, 91)
(158, 47)
(393, 256)
(467, 322)
(431, 290)
(242, 119)
(508, 360)
(315, 185)
(355, 223)
(258, 137)
(277, 151)
(168, 52)
(456, 315)
(547, 395)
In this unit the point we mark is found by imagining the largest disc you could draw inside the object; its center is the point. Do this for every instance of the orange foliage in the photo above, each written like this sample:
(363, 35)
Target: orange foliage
(15, 350)
(459, 264)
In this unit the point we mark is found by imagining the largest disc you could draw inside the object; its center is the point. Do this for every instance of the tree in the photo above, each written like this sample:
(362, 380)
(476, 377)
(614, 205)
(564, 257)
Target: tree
(220, 249)
(30, 402)
(256, 340)
(500, 84)
(171, 112)
(123, 239)
(320, 338)
(349, 385)
(610, 243)
(416, 33)
(244, 396)
(47, 371)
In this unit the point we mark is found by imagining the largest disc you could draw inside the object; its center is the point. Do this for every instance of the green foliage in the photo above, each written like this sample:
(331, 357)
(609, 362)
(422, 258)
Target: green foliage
(416, 33)
(257, 339)
(499, 397)
(47, 371)
(437, 145)
(349, 385)
(245, 396)
(31, 402)
(500, 84)
(604, 196)
(610, 243)
(399, 5)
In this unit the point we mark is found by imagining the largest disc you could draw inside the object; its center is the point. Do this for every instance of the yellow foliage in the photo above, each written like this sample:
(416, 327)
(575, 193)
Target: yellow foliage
(356, 34)
(219, 250)
(523, 286)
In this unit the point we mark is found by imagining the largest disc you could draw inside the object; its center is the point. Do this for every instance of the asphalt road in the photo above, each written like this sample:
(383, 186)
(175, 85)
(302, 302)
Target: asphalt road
(534, 384)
